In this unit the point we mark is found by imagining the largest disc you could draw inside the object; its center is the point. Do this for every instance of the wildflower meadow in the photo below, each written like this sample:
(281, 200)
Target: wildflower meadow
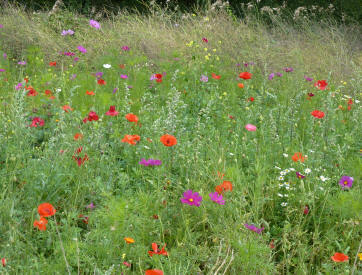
(185, 144)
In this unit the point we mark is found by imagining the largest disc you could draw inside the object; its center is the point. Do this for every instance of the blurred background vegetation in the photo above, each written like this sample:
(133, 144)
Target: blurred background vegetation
(344, 11)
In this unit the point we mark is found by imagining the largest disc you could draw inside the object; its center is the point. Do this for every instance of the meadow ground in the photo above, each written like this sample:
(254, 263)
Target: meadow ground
(262, 121)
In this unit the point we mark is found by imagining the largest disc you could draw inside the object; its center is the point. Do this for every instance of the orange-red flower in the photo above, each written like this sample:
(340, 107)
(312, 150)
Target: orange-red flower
(90, 93)
(131, 139)
(132, 118)
(225, 186)
(241, 85)
(78, 136)
(245, 75)
(214, 76)
(156, 251)
(168, 140)
(339, 257)
(66, 108)
(101, 82)
(298, 156)
(317, 114)
(52, 63)
(321, 84)
(129, 240)
(154, 272)
(41, 224)
(122, 66)
(31, 90)
(158, 77)
(46, 210)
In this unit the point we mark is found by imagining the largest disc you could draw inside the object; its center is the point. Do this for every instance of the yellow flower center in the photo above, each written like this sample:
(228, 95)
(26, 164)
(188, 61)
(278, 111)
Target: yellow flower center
(191, 200)
(345, 182)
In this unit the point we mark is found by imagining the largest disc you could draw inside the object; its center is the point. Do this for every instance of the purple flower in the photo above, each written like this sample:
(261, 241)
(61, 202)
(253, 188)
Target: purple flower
(288, 69)
(204, 78)
(150, 162)
(81, 49)
(308, 78)
(18, 86)
(271, 76)
(76, 59)
(346, 182)
(217, 198)
(125, 48)
(124, 76)
(1, 26)
(94, 24)
(153, 77)
(68, 32)
(73, 76)
(205, 40)
(191, 198)
(90, 206)
(252, 227)
(2, 70)
(299, 175)
(5, 55)
(246, 64)
(238, 65)
(99, 75)
(21, 63)
(279, 74)
(115, 90)
(68, 53)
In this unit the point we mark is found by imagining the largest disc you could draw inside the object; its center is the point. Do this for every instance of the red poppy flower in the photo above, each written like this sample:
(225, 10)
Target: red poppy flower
(101, 82)
(251, 99)
(66, 108)
(26, 80)
(154, 272)
(132, 118)
(317, 114)
(245, 75)
(298, 156)
(306, 210)
(92, 116)
(168, 140)
(339, 257)
(158, 77)
(131, 139)
(112, 111)
(31, 92)
(78, 136)
(3, 262)
(90, 92)
(52, 63)
(156, 251)
(48, 92)
(225, 186)
(46, 210)
(240, 85)
(321, 84)
(214, 76)
(121, 66)
(41, 224)
(37, 121)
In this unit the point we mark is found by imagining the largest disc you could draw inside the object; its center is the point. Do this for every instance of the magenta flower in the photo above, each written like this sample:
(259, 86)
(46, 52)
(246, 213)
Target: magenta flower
(252, 227)
(288, 69)
(271, 76)
(308, 78)
(150, 162)
(125, 48)
(279, 74)
(205, 40)
(299, 175)
(5, 55)
(250, 127)
(346, 182)
(68, 32)
(81, 49)
(217, 198)
(37, 121)
(124, 76)
(191, 198)
(18, 86)
(2, 70)
(68, 53)
(90, 206)
(1, 26)
(94, 24)
(21, 63)
(99, 75)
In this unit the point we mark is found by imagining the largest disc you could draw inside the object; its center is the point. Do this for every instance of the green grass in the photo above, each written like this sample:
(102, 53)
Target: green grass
(210, 239)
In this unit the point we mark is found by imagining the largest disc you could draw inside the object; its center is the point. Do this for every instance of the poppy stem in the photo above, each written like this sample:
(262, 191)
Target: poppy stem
(355, 260)
(61, 246)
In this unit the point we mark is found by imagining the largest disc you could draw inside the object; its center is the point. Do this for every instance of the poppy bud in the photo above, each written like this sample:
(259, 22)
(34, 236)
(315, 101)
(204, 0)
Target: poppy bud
(3, 261)
(306, 210)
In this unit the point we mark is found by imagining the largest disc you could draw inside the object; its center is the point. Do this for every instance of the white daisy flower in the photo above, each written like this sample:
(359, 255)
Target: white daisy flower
(281, 178)
(287, 170)
(307, 171)
(357, 101)
(107, 66)
(285, 155)
(292, 169)
(285, 195)
(282, 173)
(280, 195)
(277, 167)
(284, 204)
(323, 178)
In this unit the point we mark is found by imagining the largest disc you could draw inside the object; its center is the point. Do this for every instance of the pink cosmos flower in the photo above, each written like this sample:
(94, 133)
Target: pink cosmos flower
(250, 127)
(37, 121)
(82, 49)
(191, 198)
(217, 198)
(94, 24)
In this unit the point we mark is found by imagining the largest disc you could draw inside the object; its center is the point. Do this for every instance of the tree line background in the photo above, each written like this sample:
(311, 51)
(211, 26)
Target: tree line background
(341, 8)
